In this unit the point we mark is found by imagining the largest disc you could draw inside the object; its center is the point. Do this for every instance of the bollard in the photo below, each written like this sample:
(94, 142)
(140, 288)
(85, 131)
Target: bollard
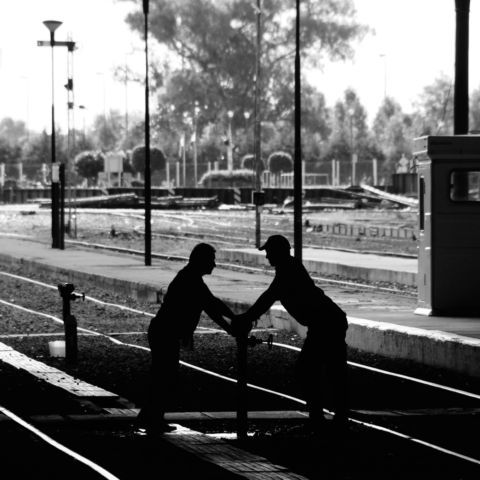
(243, 342)
(69, 321)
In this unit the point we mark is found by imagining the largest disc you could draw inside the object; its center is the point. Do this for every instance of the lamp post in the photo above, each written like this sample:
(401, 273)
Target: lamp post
(384, 56)
(229, 142)
(82, 108)
(52, 25)
(351, 113)
(148, 193)
(257, 134)
(183, 146)
(196, 112)
(297, 165)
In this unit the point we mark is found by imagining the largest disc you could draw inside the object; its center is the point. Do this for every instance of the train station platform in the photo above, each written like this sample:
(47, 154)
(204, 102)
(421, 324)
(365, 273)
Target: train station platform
(367, 267)
(378, 323)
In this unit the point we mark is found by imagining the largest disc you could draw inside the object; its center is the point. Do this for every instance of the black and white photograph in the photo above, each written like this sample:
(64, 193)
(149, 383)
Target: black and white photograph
(240, 239)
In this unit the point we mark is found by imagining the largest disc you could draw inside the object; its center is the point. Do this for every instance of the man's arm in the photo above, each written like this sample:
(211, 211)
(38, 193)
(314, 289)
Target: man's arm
(216, 309)
(263, 303)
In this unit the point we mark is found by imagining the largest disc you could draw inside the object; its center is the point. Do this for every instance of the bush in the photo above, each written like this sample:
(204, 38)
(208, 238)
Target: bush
(247, 162)
(280, 162)
(89, 164)
(226, 178)
(157, 159)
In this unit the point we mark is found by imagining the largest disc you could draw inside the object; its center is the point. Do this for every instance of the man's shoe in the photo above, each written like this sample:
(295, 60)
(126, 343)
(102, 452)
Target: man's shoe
(160, 428)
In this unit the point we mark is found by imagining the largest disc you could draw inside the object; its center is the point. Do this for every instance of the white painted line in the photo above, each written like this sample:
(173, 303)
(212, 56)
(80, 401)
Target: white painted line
(397, 375)
(416, 380)
(58, 320)
(416, 440)
(97, 468)
(369, 425)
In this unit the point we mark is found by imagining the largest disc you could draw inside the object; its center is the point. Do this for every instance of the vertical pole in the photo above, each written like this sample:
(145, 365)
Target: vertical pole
(69, 324)
(184, 162)
(257, 126)
(148, 193)
(460, 113)
(242, 415)
(374, 167)
(460, 96)
(297, 166)
(61, 243)
(55, 186)
(195, 168)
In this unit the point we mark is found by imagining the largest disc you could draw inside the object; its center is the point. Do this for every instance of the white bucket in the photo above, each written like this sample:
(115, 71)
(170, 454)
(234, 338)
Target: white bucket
(57, 348)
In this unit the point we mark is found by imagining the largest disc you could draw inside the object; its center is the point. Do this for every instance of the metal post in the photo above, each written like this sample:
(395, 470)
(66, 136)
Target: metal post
(55, 189)
(69, 321)
(258, 125)
(61, 242)
(194, 135)
(148, 193)
(460, 96)
(297, 166)
(460, 114)
(242, 415)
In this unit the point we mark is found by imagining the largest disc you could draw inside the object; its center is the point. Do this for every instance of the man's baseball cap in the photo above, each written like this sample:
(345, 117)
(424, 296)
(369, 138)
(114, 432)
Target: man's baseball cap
(276, 243)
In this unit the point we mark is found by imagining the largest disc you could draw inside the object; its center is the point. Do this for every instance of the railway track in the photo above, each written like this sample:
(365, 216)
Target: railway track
(406, 291)
(416, 427)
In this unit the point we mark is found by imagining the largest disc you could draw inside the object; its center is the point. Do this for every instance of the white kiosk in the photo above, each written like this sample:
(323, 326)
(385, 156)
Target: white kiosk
(449, 225)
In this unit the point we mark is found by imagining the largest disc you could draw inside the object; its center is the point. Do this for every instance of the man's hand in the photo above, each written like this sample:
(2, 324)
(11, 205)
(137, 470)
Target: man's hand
(242, 324)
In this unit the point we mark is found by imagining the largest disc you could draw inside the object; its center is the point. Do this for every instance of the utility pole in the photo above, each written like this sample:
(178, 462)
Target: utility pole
(148, 193)
(460, 98)
(258, 198)
(297, 165)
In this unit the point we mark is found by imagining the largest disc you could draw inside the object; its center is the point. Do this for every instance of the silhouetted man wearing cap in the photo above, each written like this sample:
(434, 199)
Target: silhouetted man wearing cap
(324, 346)
(187, 296)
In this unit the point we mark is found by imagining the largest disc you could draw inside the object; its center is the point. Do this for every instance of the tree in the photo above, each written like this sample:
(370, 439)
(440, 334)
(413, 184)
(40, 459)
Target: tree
(108, 131)
(434, 108)
(393, 134)
(13, 131)
(89, 164)
(220, 74)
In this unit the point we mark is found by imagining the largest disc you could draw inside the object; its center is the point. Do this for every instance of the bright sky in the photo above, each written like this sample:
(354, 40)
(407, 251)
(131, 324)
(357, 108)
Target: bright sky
(412, 45)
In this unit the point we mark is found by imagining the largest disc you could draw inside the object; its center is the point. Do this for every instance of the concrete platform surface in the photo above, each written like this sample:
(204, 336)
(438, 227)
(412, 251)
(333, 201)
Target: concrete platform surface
(379, 323)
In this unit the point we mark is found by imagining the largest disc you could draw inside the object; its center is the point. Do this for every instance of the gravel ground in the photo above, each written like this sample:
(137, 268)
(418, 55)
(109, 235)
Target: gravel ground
(123, 370)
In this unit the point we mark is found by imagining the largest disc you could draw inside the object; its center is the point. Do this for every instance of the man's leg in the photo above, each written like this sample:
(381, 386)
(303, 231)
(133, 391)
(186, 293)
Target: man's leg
(337, 373)
(162, 384)
(309, 371)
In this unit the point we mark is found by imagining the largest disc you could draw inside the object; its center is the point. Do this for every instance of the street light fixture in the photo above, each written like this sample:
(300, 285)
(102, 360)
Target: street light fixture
(52, 25)
(246, 115)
